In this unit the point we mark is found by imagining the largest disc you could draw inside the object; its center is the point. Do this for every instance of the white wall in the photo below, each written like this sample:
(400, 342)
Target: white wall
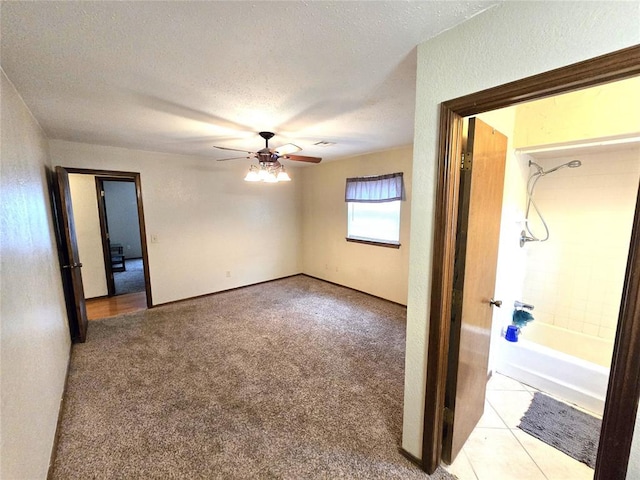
(377, 270)
(122, 216)
(206, 219)
(34, 334)
(511, 41)
(87, 221)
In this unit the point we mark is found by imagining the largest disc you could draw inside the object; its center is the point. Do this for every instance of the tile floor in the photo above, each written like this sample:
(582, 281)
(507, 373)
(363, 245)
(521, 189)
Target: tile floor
(498, 450)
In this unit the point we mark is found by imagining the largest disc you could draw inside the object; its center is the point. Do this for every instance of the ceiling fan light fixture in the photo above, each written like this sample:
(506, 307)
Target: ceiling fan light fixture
(271, 178)
(283, 176)
(263, 173)
(252, 175)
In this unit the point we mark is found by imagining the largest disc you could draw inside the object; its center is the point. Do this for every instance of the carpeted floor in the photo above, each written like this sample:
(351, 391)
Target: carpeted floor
(292, 379)
(566, 428)
(132, 279)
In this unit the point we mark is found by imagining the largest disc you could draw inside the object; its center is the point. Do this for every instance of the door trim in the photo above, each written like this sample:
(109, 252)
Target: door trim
(134, 177)
(624, 381)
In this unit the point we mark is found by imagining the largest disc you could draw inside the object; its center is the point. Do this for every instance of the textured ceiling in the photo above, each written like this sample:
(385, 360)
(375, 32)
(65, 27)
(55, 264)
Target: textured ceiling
(183, 76)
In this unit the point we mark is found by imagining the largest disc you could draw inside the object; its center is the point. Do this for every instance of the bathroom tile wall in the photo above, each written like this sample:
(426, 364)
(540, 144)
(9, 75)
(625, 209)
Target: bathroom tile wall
(575, 278)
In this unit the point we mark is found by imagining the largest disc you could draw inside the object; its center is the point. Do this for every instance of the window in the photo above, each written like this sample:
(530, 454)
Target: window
(373, 209)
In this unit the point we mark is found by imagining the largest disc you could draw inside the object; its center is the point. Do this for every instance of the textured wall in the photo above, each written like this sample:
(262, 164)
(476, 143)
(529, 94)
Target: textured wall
(511, 41)
(85, 214)
(376, 270)
(122, 216)
(207, 221)
(35, 336)
(605, 111)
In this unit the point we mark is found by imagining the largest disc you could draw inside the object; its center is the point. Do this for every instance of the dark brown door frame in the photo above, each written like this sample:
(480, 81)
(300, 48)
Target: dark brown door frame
(132, 177)
(624, 381)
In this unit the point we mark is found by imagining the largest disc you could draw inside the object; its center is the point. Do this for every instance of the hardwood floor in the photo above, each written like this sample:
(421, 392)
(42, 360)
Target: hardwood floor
(98, 308)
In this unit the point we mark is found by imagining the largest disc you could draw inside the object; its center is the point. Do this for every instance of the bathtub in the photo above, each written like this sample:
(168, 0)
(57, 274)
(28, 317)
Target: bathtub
(570, 378)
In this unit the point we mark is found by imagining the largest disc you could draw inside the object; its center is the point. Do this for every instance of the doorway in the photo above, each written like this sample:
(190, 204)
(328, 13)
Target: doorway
(120, 230)
(109, 218)
(571, 283)
(621, 404)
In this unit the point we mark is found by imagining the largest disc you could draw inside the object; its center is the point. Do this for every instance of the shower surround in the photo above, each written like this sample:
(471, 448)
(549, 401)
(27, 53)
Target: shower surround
(575, 278)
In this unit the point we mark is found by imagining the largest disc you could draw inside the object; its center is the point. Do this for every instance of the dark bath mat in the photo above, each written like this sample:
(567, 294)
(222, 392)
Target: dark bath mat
(563, 427)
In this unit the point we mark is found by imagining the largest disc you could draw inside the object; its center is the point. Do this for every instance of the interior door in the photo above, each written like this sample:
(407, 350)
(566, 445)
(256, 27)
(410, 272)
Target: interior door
(70, 259)
(478, 234)
(104, 231)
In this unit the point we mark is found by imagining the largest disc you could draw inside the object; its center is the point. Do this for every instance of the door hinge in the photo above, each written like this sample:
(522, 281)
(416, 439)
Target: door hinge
(465, 164)
(448, 416)
(102, 193)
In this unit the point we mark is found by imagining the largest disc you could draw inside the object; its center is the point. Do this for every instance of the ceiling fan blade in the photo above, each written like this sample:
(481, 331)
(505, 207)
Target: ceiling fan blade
(232, 149)
(234, 158)
(302, 158)
(287, 148)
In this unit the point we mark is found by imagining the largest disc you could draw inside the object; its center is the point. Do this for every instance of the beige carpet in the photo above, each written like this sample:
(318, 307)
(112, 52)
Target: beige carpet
(292, 379)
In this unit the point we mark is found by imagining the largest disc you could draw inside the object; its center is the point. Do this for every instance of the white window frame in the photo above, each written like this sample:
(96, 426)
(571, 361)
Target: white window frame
(363, 227)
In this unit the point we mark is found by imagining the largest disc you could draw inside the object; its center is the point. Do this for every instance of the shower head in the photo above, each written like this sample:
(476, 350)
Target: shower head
(571, 164)
(540, 171)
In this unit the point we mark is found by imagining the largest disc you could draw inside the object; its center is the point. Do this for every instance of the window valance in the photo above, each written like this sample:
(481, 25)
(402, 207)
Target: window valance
(375, 188)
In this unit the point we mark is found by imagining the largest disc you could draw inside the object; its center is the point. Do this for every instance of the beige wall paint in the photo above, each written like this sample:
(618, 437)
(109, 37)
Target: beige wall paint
(87, 220)
(376, 270)
(207, 221)
(34, 334)
(511, 41)
(605, 111)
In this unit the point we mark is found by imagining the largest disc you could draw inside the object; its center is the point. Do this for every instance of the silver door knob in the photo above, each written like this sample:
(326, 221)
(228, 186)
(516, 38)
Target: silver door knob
(497, 303)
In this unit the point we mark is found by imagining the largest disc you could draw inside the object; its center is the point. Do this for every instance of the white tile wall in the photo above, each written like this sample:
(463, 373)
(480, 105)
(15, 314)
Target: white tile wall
(575, 278)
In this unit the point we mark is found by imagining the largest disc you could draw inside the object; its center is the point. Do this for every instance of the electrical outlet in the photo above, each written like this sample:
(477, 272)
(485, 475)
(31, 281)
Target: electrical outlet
(154, 238)
(228, 274)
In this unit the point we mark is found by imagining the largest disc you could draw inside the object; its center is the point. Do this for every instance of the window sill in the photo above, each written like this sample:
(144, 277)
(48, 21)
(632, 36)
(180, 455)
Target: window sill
(377, 243)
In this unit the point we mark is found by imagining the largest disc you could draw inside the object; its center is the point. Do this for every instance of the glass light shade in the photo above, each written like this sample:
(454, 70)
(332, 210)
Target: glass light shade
(270, 178)
(252, 175)
(283, 176)
(263, 173)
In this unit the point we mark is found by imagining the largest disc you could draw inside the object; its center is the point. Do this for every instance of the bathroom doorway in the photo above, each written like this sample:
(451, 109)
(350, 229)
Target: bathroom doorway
(621, 403)
(569, 279)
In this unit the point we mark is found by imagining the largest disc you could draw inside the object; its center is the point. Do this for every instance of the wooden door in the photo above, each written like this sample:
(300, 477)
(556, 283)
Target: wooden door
(70, 259)
(478, 234)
